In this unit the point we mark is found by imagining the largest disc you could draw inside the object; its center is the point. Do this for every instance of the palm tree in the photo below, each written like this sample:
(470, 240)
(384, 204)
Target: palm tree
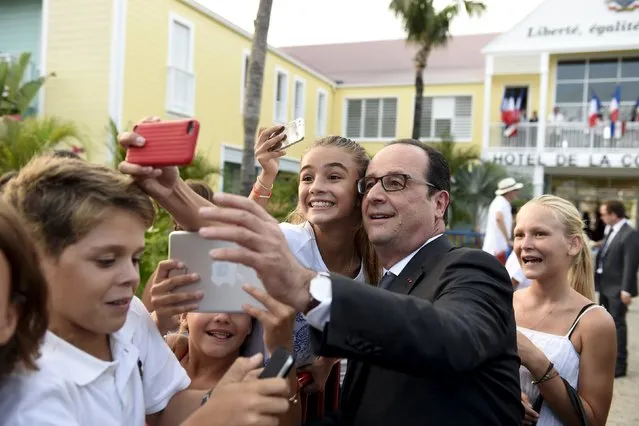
(253, 93)
(458, 157)
(428, 28)
(20, 141)
(473, 190)
(16, 96)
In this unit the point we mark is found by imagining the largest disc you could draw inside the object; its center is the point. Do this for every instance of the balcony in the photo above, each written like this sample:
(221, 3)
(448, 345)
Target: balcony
(571, 136)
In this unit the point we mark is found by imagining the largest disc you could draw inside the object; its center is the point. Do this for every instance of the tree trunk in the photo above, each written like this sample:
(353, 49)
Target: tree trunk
(253, 93)
(419, 94)
(420, 65)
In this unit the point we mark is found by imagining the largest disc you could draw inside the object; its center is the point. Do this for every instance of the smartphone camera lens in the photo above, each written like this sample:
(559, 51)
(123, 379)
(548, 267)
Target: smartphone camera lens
(190, 128)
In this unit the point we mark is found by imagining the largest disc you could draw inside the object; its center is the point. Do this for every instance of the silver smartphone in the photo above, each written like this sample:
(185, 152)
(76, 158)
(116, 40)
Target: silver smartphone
(221, 282)
(295, 131)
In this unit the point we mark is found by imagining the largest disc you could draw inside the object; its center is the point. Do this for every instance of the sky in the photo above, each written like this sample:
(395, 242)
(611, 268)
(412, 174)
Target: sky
(304, 22)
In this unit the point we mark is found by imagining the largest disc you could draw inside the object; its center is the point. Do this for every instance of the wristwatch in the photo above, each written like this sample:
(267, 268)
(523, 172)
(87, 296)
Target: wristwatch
(322, 279)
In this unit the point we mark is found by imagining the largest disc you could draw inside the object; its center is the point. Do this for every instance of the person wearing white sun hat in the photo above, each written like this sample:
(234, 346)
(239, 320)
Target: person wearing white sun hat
(499, 222)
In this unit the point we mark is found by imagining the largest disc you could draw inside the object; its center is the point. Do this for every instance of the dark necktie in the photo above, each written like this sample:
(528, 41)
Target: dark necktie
(603, 250)
(386, 280)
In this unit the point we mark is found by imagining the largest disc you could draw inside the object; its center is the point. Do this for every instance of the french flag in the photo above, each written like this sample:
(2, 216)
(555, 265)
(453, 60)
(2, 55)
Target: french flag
(614, 105)
(510, 115)
(595, 108)
(615, 131)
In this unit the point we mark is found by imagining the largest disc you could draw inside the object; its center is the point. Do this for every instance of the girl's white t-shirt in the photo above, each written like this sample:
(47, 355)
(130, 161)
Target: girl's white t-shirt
(73, 388)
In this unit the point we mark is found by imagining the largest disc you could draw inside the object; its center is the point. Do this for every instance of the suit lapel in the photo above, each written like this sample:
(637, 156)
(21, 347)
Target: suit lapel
(411, 275)
(616, 241)
(415, 272)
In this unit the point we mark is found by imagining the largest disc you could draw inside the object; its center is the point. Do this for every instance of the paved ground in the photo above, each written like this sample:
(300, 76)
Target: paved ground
(625, 403)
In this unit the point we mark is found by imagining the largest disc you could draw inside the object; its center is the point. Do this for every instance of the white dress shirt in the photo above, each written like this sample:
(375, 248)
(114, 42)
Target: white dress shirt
(322, 291)
(73, 388)
(613, 233)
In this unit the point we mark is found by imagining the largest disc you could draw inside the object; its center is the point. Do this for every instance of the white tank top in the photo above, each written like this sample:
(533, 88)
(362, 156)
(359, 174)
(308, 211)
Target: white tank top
(560, 351)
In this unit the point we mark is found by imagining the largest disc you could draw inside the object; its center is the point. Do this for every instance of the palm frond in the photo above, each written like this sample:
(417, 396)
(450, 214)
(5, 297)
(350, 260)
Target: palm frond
(15, 94)
(20, 141)
(199, 169)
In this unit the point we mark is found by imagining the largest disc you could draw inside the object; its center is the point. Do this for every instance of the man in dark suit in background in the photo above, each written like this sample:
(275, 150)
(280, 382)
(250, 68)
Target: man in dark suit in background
(616, 273)
(436, 344)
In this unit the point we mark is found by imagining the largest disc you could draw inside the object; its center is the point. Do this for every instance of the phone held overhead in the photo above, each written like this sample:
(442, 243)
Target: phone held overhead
(168, 143)
(294, 131)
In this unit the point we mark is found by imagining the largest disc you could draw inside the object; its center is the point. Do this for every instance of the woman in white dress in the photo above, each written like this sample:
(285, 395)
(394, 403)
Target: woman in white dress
(562, 334)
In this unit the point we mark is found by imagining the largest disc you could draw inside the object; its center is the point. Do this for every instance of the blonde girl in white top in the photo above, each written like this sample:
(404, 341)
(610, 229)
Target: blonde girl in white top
(559, 334)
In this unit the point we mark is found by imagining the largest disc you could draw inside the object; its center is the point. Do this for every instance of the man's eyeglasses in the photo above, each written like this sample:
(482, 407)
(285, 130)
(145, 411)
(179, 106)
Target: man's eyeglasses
(391, 183)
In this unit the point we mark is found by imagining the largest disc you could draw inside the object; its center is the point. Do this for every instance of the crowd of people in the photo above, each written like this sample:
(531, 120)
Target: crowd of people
(361, 279)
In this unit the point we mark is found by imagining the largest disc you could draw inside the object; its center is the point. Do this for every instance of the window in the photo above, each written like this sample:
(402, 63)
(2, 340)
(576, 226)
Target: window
(447, 116)
(246, 57)
(232, 178)
(373, 118)
(299, 99)
(321, 113)
(180, 79)
(281, 97)
(579, 81)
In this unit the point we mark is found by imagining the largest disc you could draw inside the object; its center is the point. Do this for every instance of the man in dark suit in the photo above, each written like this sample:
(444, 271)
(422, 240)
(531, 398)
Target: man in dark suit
(616, 273)
(436, 345)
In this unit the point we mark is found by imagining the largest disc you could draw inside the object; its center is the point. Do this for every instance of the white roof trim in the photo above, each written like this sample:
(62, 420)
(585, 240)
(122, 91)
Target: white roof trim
(228, 24)
(410, 84)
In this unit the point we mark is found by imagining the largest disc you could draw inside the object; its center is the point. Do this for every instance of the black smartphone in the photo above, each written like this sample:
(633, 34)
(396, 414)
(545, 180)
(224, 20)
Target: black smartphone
(279, 365)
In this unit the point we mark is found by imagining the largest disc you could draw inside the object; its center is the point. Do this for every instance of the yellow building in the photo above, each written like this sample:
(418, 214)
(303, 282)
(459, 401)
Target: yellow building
(125, 59)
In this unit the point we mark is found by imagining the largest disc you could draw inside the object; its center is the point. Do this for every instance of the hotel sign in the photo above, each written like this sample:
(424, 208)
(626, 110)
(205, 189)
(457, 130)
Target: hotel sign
(561, 159)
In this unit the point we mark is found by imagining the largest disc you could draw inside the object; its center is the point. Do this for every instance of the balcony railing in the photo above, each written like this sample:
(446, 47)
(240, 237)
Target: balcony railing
(559, 136)
(180, 96)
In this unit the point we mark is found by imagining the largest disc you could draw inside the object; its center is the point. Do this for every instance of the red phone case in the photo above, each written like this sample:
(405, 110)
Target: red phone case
(168, 143)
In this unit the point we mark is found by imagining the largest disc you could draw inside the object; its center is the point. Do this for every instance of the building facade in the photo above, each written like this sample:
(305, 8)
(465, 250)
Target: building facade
(125, 59)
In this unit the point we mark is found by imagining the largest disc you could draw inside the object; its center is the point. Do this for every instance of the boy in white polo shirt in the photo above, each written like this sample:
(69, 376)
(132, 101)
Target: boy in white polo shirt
(103, 360)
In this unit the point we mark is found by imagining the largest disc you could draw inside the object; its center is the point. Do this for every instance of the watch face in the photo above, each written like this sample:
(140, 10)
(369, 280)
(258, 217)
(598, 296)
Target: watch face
(321, 277)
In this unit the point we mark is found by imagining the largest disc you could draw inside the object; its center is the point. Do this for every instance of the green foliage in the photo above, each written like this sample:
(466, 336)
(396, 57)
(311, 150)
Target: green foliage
(118, 154)
(20, 141)
(459, 157)
(473, 182)
(156, 246)
(16, 96)
(473, 189)
(284, 198)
